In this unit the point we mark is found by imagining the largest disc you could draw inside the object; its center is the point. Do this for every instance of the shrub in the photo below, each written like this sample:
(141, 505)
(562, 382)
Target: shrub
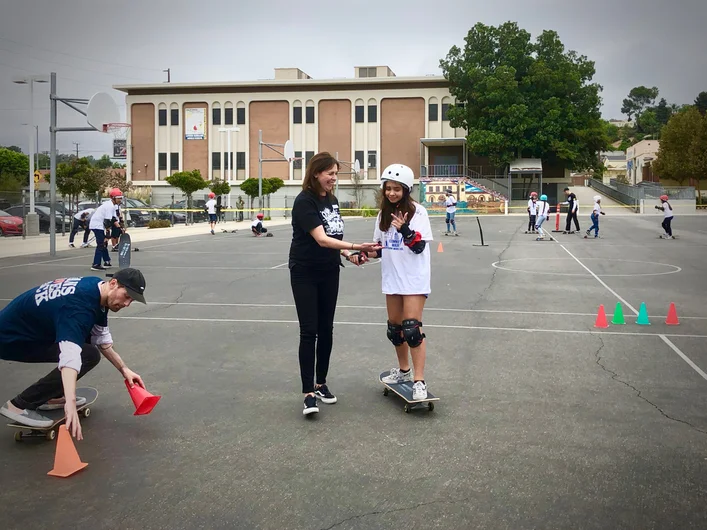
(159, 223)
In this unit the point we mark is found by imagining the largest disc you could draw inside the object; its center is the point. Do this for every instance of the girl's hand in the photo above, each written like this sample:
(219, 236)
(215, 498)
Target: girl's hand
(399, 220)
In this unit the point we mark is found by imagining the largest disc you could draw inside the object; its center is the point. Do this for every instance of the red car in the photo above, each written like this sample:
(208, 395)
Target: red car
(10, 225)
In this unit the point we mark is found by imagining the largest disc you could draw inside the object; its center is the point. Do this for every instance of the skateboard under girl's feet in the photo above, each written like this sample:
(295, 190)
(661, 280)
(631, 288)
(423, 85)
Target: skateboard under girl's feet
(404, 390)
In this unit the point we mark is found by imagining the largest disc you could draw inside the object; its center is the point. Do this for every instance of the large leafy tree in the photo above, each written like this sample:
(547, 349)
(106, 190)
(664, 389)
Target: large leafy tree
(188, 182)
(638, 99)
(683, 144)
(701, 102)
(13, 163)
(518, 98)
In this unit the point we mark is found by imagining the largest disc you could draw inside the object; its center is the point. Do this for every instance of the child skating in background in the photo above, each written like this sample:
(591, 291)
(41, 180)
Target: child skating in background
(403, 229)
(595, 217)
(210, 208)
(543, 212)
(532, 212)
(257, 226)
(668, 219)
(451, 205)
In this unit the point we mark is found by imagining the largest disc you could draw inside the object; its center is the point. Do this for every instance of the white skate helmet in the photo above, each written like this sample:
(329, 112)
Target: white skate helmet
(398, 173)
(597, 198)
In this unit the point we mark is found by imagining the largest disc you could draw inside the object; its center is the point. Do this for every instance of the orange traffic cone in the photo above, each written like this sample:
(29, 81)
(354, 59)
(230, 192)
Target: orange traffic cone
(440, 248)
(601, 318)
(672, 319)
(66, 459)
(144, 401)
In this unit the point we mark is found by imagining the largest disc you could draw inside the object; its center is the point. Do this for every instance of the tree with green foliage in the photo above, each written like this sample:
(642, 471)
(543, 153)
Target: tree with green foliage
(188, 182)
(611, 131)
(220, 187)
(679, 155)
(79, 177)
(701, 102)
(518, 98)
(104, 162)
(15, 164)
(638, 99)
(270, 185)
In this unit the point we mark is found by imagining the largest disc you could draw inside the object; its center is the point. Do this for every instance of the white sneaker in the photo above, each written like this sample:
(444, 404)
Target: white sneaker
(28, 417)
(56, 406)
(419, 391)
(396, 377)
(84, 245)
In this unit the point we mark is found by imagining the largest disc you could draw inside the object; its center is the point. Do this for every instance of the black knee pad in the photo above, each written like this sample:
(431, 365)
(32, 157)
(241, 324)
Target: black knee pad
(411, 332)
(394, 334)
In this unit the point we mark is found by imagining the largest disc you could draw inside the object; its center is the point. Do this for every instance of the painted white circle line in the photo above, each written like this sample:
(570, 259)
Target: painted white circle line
(674, 268)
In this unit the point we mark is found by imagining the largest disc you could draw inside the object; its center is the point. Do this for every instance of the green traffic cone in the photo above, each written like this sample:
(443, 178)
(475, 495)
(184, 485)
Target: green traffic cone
(618, 319)
(642, 319)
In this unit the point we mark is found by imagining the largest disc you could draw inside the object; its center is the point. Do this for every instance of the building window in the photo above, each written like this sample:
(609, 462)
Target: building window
(228, 117)
(445, 109)
(367, 72)
(372, 158)
(308, 156)
(433, 110)
(359, 113)
(240, 160)
(240, 116)
(174, 116)
(216, 116)
(372, 114)
(228, 160)
(309, 117)
(174, 161)
(358, 155)
(161, 161)
(162, 114)
(296, 114)
(216, 160)
(297, 164)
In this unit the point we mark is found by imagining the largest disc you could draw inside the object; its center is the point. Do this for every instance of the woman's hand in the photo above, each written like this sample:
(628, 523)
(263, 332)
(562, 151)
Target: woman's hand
(369, 247)
(399, 220)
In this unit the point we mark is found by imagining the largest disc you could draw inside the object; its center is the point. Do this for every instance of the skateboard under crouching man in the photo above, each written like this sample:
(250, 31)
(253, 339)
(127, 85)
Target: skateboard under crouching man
(58, 416)
(404, 390)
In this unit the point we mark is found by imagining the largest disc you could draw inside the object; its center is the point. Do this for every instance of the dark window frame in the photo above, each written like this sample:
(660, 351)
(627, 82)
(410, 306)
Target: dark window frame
(309, 115)
(297, 164)
(161, 161)
(174, 113)
(308, 155)
(296, 114)
(240, 116)
(216, 116)
(162, 117)
(216, 160)
(433, 111)
(372, 113)
(445, 110)
(374, 154)
(360, 156)
(228, 116)
(240, 160)
(172, 158)
(359, 114)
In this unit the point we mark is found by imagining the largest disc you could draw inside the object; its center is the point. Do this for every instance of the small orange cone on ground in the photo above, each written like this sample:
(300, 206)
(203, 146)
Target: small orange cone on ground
(66, 459)
(672, 319)
(601, 318)
(440, 248)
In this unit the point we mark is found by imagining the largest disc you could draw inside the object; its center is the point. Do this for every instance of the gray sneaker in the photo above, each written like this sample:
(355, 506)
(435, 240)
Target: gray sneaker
(30, 418)
(56, 406)
(396, 376)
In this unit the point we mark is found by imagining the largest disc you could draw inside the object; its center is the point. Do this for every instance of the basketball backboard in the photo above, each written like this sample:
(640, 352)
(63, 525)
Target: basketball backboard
(288, 150)
(357, 166)
(101, 110)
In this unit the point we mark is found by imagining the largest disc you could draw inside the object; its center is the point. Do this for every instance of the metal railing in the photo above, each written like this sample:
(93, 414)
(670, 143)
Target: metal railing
(618, 196)
(652, 190)
(447, 170)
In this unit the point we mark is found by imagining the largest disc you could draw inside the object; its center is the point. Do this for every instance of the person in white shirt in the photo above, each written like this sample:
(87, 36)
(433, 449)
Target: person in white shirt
(104, 218)
(257, 226)
(81, 220)
(532, 212)
(451, 203)
(211, 210)
(668, 217)
(543, 212)
(595, 217)
(403, 230)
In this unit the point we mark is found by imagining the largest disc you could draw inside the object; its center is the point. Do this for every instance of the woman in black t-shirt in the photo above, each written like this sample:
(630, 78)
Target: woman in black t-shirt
(315, 257)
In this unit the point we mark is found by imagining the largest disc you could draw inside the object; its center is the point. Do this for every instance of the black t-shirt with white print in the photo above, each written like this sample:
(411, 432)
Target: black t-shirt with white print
(309, 212)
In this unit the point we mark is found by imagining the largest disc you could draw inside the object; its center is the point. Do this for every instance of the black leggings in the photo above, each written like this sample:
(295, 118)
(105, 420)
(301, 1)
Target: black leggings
(570, 217)
(531, 222)
(315, 293)
(667, 227)
(51, 385)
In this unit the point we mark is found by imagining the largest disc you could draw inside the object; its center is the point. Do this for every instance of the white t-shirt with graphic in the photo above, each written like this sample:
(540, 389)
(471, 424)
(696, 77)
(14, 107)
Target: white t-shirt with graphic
(597, 208)
(211, 206)
(451, 204)
(532, 206)
(403, 271)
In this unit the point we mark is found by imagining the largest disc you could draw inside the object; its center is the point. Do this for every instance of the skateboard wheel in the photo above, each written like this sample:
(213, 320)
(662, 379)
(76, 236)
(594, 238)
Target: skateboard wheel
(86, 412)
(18, 436)
(407, 408)
(430, 406)
(51, 435)
(385, 392)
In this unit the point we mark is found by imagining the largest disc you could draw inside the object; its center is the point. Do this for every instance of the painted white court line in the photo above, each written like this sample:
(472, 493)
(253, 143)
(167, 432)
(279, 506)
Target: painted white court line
(280, 265)
(684, 357)
(86, 256)
(440, 326)
(142, 267)
(601, 281)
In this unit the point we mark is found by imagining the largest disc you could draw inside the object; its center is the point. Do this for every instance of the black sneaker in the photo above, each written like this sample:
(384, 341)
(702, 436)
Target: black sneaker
(323, 393)
(310, 405)
(97, 268)
(107, 265)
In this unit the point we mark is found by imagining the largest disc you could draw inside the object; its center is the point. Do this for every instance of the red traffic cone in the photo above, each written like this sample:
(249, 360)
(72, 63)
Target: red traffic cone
(672, 319)
(601, 318)
(66, 459)
(143, 400)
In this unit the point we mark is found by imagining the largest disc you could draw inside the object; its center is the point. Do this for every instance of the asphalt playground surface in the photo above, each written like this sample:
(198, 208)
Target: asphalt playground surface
(544, 420)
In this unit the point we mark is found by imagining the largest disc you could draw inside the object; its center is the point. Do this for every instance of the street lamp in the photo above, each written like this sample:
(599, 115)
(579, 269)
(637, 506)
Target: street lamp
(31, 80)
(229, 168)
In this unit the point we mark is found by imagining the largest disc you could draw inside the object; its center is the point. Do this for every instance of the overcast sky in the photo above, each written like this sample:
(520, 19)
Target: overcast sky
(94, 44)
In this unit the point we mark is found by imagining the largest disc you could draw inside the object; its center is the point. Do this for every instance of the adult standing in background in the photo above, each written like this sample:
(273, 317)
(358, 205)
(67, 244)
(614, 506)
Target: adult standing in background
(572, 208)
(315, 257)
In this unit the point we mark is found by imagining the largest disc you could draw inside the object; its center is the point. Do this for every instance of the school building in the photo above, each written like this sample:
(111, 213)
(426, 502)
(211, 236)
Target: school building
(375, 117)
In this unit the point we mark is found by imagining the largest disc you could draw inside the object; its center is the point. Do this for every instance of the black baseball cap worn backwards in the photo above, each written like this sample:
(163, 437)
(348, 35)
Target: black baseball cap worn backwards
(133, 281)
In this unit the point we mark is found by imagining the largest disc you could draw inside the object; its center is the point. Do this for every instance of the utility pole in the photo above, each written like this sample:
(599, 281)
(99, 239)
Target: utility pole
(169, 76)
(77, 149)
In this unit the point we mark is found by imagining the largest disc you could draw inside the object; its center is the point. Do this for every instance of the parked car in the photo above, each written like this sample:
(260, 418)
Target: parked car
(196, 204)
(136, 212)
(10, 224)
(173, 217)
(44, 217)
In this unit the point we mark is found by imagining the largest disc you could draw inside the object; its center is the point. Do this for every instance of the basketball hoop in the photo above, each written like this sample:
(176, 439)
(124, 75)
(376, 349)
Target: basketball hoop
(120, 133)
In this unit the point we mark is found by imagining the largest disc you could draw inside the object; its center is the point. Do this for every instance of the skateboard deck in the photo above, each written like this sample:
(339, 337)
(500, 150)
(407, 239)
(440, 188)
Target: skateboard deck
(404, 390)
(25, 431)
(124, 251)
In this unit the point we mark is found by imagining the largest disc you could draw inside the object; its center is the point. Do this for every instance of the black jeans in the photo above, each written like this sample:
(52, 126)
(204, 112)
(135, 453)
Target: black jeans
(75, 228)
(50, 386)
(570, 217)
(531, 222)
(315, 293)
(666, 226)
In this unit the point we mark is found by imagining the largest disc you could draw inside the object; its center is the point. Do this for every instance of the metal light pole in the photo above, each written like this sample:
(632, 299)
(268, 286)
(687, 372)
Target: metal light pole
(260, 169)
(52, 159)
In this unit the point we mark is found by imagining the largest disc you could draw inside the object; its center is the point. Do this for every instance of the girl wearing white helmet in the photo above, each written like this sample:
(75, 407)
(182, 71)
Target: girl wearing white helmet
(668, 217)
(543, 208)
(403, 230)
(210, 207)
(595, 217)
(106, 217)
